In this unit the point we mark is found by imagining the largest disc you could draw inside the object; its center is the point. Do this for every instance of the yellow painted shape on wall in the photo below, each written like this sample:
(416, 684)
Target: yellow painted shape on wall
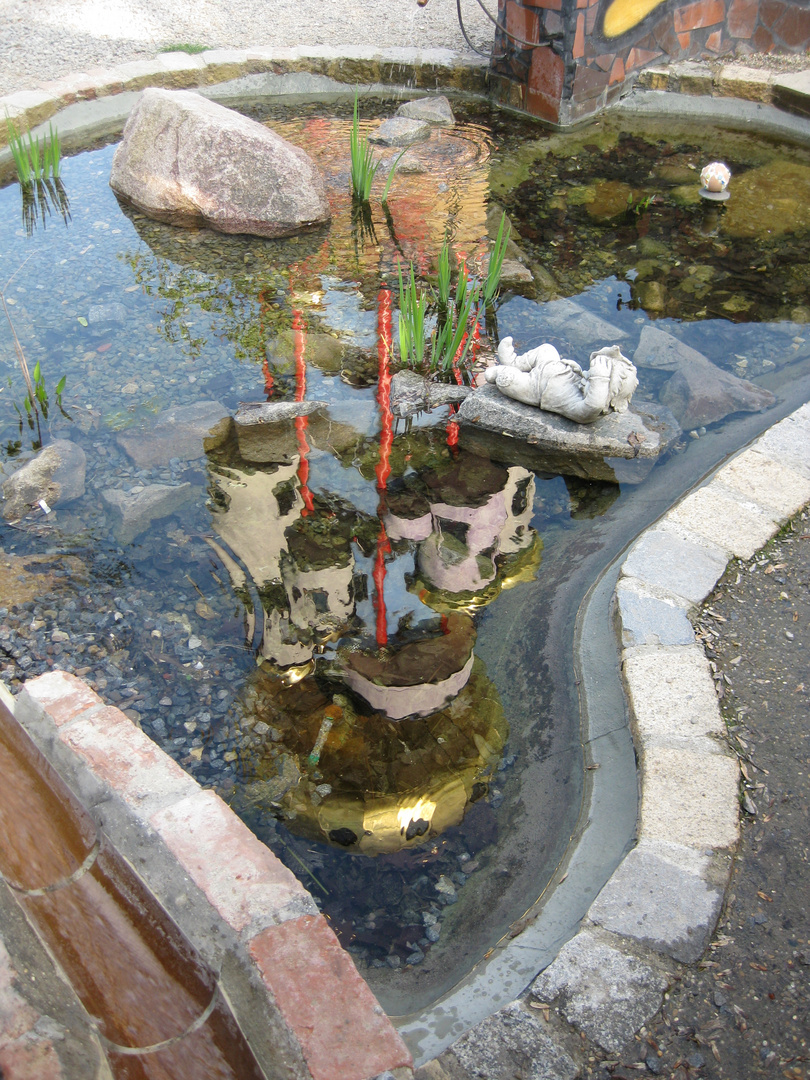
(623, 15)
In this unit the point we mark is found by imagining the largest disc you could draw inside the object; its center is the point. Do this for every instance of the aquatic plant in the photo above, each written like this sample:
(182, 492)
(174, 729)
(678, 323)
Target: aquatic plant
(364, 167)
(189, 47)
(34, 160)
(457, 314)
(36, 398)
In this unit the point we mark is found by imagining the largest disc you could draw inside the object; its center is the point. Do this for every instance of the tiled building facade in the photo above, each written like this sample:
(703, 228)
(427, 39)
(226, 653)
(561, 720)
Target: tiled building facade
(563, 60)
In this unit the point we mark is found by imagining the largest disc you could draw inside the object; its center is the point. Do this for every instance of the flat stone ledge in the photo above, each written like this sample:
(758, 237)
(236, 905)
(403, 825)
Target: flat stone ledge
(666, 897)
(778, 488)
(418, 68)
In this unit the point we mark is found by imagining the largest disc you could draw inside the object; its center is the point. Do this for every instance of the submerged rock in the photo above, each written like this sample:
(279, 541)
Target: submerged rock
(55, 475)
(434, 110)
(699, 392)
(134, 512)
(184, 432)
(188, 161)
(400, 131)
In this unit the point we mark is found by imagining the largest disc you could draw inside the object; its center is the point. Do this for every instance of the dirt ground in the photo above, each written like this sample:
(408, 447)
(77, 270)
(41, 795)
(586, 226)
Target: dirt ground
(744, 1011)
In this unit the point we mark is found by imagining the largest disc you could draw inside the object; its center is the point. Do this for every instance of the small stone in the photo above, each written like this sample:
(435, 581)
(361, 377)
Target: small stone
(194, 642)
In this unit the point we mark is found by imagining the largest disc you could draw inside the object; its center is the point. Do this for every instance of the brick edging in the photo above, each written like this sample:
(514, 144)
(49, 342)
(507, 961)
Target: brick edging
(296, 994)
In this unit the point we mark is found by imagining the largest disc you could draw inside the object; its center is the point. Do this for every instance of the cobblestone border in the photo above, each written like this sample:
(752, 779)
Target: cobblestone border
(663, 901)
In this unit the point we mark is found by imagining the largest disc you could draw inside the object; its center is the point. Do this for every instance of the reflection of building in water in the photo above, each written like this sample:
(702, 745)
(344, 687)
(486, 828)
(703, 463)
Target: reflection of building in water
(336, 773)
(302, 569)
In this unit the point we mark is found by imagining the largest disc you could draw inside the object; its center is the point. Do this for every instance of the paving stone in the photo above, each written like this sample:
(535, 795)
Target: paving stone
(672, 696)
(747, 84)
(677, 562)
(738, 526)
(789, 441)
(134, 512)
(343, 1031)
(777, 487)
(649, 620)
(660, 896)
(601, 990)
(512, 1043)
(689, 798)
(252, 888)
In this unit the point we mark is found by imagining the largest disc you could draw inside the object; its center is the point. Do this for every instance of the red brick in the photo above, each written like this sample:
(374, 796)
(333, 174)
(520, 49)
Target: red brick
(521, 23)
(703, 13)
(742, 18)
(762, 40)
(555, 5)
(343, 1032)
(793, 28)
(714, 41)
(579, 38)
(640, 58)
(125, 758)
(770, 11)
(617, 72)
(241, 877)
(685, 41)
(591, 17)
(589, 82)
(62, 695)
(545, 84)
(605, 61)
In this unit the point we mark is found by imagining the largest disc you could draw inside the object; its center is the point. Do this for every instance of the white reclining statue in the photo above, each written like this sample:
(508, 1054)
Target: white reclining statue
(543, 378)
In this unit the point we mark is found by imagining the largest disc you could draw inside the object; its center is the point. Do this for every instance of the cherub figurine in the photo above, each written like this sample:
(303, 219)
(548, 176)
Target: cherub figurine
(542, 377)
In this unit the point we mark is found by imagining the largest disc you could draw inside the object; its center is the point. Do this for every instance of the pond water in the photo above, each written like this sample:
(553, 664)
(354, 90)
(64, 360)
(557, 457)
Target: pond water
(259, 619)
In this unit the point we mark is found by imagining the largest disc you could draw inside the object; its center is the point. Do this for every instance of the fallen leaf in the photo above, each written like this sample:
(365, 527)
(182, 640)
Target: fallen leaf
(764, 896)
(82, 320)
(758, 967)
(104, 347)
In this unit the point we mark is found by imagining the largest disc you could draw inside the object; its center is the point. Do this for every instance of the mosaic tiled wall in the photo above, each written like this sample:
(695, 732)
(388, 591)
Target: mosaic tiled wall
(565, 59)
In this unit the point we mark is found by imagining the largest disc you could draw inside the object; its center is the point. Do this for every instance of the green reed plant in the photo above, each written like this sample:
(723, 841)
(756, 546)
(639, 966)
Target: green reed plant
(34, 160)
(413, 304)
(364, 168)
(495, 266)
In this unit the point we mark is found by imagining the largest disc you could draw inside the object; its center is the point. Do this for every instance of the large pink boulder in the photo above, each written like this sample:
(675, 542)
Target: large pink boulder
(186, 160)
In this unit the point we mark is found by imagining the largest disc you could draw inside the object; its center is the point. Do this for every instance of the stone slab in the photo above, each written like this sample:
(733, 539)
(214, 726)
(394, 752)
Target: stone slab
(604, 992)
(178, 432)
(134, 512)
(512, 1043)
(777, 487)
(789, 441)
(616, 435)
(689, 798)
(740, 527)
(672, 696)
(252, 889)
(676, 562)
(661, 897)
(647, 619)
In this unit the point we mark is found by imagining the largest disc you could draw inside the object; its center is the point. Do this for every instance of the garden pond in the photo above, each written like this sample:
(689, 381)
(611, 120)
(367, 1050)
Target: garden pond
(258, 619)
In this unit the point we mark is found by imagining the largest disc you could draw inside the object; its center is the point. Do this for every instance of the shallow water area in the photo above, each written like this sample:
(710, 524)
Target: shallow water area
(261, 623)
